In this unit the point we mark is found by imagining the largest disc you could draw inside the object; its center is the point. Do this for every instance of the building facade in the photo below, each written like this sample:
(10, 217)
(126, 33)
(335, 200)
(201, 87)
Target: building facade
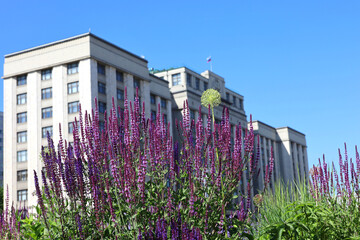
(43, 86)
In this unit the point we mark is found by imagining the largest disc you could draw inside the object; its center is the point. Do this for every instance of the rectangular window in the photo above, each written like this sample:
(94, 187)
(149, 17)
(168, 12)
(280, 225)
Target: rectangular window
(22, 195)
(192, 114)
(73, 87)
(163, 103)
(71, 127)
(205, 86)
(176, 79)
(21, 80)
(22, 175)
(73, 107)
(228, 97)
(101, 87)
(197, 84)
(102, 107)
(21, 117)
(101, 69)
(152, 99)
(21, 98)
(136, 84)
(119, 76)
(153, 115)
(120, 94)
(46, 74)
(241, 104)
(165, 118)
(188, 79)
(46, 93)
(22, 137)
(46, 113)
(72, 68)
(22, 156)
(46, 130)
(101, 125)
(234, 101)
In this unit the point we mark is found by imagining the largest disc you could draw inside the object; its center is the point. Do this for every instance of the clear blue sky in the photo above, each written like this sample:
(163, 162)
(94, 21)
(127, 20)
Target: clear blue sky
(297, 63)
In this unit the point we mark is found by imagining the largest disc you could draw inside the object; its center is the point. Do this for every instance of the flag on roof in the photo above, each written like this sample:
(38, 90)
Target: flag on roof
(208, 59)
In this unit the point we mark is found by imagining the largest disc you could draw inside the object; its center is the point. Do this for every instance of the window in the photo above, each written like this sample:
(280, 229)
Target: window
(101, 125)
(241, 104)
(22, 175)
(163, 103)
(102, 107)
(228, 97)
(46, 113)
(73, 107)
(72, 68)
(71, 127)
(192, 114)
(120, 94)
(136, 84)
(234, 101)
(101, 87)
(21, 80)
(73, 87)
(152, 99)
(22, 137)
(101, 69)
(46, 130)
(165, 118)
(205, 86)
(176, 79)
(21, 117)
(22, 156)
(46, 93)
(188, 79)
(119, 76)
(21, 99)
(46, 74)
(153, 115)
(22, 195)
(197, 84)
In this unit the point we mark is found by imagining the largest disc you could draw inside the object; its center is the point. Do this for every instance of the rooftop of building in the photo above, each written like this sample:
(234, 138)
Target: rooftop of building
(70, 39)
(267, 125)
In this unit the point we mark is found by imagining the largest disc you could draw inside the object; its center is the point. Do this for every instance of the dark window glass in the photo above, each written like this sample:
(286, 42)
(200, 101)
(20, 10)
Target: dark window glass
(153, 115)
(46, 93)
(234, 101)
(21, 80)
(22, 137)
(101, 69)
(21, 99)
(21, 117)
(22, 175)
(22, 195)
(188, 79)
(102, 107)
(119, 76)
(163, 103)
(136, 84)
(205, 86)
(46, 74)
(197, 84)
(46, 130)
(73, 107)
(152, 99)
(102, 87)
(22, 156)
(72, 68)
(120, 94)
(73, 87)
(46, 112)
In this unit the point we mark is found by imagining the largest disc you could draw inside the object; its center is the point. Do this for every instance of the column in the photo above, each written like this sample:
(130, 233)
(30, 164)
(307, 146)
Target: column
(169, 115)
(129, 84)
(87, 84)
(110, 79)
(10, 137)
(145, 97)
(59, 102)
(33, 131)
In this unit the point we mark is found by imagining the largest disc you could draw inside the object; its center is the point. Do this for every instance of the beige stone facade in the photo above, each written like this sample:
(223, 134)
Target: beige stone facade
(44, 85)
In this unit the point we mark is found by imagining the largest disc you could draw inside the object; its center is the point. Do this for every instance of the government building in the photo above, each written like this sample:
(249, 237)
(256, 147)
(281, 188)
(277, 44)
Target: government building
(44, 85)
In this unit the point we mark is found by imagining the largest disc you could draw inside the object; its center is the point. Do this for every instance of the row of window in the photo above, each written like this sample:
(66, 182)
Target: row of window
(46, 93)
(234, 101)
(46, 74)
(22, 136)
(162, 101)
(73, 107)
(153, 116)
(101, 69)
(197, 82)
